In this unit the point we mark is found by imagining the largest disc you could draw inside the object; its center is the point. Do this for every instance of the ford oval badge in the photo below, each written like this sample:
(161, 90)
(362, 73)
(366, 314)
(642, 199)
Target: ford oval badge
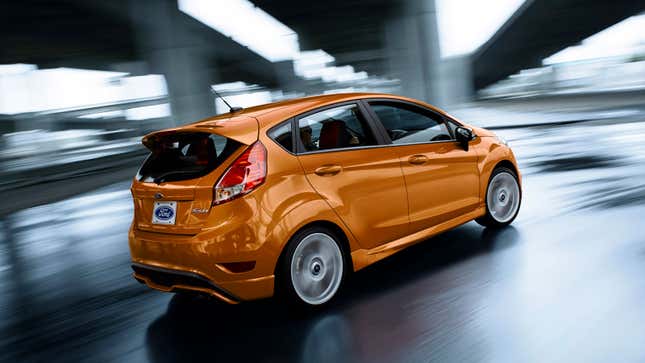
(164, 213)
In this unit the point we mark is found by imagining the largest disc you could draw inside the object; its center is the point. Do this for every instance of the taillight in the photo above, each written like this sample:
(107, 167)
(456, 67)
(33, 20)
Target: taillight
(246, 173)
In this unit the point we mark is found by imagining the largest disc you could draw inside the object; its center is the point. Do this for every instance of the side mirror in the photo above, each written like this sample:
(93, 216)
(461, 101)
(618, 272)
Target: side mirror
(464, 136)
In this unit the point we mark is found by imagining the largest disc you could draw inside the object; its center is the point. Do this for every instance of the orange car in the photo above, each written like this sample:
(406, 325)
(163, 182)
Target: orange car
(288, 198)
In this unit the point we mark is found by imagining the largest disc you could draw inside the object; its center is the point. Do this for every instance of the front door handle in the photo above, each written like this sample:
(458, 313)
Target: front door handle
(417, 159)
(328, 170)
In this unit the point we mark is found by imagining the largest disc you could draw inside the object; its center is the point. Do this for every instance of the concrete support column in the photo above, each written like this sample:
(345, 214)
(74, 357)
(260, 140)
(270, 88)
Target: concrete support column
(285, 79)
(188, 78)
(412, 45)
(183, 57)
(455, 81)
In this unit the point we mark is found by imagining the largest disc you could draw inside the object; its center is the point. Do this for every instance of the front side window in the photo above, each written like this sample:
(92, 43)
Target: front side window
(335, 128)
(408, 124)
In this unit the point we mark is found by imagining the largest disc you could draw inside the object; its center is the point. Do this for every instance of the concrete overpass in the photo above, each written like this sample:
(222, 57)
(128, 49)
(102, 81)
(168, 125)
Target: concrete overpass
(386, 37)
(389, 38)
(136, 36)
(541, 28)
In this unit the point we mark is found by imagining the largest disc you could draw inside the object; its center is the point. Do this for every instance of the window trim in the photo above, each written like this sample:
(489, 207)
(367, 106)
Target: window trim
(293, 135)
(374, 124)
(371, 127)
(382, 129)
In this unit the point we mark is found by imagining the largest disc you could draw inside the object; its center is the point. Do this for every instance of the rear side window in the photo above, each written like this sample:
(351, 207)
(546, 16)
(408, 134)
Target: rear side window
(407, 124)
(183, 156)
(282, 135)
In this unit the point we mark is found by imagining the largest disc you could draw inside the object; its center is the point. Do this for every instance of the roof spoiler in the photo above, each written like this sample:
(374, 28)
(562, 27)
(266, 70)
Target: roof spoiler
(243, 129)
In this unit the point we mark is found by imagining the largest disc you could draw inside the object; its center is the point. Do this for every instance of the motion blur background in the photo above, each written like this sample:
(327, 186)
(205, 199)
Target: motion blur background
(563, 80)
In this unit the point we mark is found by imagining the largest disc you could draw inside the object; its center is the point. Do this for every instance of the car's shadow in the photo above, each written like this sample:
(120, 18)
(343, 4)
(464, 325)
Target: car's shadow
(195, 329)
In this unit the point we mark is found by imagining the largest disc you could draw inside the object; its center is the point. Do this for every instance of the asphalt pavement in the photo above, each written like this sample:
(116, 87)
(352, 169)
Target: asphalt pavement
(564, 283)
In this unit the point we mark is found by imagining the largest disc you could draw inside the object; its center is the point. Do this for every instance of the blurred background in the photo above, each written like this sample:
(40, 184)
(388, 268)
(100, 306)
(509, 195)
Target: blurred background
(563, 80)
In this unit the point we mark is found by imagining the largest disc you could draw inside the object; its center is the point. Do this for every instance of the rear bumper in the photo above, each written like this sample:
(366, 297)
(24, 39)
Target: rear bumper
(173, 281)
(177, 262)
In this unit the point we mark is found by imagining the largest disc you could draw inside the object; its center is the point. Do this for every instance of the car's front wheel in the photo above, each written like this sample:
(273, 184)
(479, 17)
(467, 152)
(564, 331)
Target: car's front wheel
(313, 267)
(503, 199)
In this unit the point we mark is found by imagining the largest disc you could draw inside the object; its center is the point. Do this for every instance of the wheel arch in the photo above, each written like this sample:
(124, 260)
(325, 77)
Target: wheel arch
(507, 164)
(335, 228)
(488, 172)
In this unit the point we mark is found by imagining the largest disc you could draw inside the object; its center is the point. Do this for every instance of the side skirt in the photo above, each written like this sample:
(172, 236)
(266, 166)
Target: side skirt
(365, 257)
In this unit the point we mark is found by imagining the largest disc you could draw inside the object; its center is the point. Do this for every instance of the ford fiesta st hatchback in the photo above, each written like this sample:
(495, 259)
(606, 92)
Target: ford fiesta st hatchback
(288, 198)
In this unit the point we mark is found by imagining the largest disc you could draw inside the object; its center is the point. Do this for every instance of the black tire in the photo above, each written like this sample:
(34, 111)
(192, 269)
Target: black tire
(285, 288)
(489, 220)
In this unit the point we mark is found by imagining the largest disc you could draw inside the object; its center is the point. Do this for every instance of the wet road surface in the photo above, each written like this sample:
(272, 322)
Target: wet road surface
(565, 283)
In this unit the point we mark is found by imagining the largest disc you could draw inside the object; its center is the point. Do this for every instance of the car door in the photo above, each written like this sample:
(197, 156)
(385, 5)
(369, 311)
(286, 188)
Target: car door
(442, 179)
(361, 180)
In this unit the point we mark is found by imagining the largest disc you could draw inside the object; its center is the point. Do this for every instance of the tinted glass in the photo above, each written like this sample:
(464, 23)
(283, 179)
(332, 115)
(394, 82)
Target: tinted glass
(335, 128)
(408, 124)
(182, 156)
(282, 135)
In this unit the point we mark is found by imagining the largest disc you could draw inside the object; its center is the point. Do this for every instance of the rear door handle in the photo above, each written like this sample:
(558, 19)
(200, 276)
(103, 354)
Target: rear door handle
(328, 170)
(417, 159)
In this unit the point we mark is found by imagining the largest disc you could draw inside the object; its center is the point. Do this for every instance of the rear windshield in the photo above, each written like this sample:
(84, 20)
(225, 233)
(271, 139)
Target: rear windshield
(182, 156)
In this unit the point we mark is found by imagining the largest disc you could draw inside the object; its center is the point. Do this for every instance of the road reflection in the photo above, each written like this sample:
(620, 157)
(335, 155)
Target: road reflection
(195, 328)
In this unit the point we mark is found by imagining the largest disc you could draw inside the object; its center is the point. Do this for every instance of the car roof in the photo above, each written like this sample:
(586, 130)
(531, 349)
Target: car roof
(272, 113)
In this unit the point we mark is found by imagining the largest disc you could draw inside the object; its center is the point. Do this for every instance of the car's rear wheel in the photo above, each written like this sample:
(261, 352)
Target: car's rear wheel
(503, 199)
(313, 268)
